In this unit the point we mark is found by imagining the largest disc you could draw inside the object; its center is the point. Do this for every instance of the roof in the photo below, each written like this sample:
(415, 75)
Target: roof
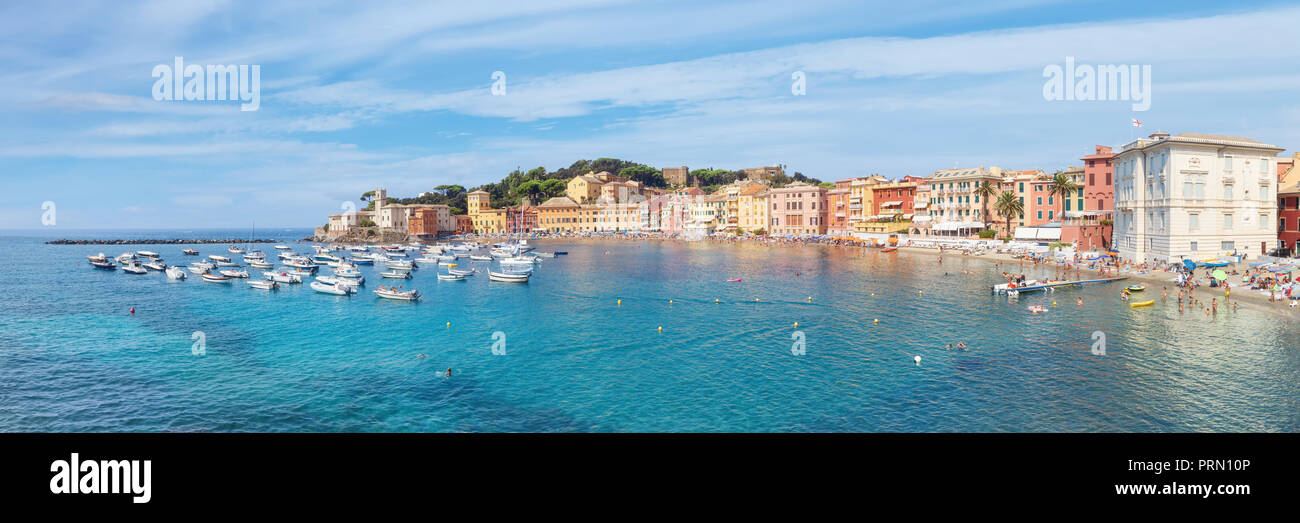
(1198, 138)
(559, 201)
(477, 191)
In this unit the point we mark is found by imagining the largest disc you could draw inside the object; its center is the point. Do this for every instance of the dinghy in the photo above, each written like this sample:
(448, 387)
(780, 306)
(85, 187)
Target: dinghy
(397, 294)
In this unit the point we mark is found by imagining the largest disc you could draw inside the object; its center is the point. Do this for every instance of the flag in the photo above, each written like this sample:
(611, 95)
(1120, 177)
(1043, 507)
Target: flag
(1136, 123)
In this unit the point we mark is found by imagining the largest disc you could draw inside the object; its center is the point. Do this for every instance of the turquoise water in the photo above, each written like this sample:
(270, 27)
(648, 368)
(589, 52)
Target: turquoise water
(73, 359)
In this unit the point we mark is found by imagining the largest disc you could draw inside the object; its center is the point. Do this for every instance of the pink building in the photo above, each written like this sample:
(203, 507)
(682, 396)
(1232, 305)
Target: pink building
(798, 209)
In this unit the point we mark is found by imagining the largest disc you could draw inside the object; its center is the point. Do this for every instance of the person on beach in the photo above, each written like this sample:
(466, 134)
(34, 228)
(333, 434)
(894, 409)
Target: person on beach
(1214, 305)
(1164, 293)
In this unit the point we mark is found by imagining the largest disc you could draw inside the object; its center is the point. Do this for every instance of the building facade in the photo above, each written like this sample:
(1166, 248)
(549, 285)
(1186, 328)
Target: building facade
(798, 209)
(1195, 196)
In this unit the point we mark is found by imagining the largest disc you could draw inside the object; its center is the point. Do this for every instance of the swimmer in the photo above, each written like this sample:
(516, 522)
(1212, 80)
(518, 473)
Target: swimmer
(1079, 301)
(448, 372)
(420, 355)
(961, 345)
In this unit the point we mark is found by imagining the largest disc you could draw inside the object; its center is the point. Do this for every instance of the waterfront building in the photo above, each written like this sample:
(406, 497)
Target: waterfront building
(1288, 209)
(676, 175)
(764, 174)
(798, 209)
(1098, 185)
(464, 224)
(955, 209)
(586, 188)
(862, 199)
(921, 209)
(752, 208)
(1195, 196)
(837, 209)
(558, 214)
(486, 219)
(429, 221)
(522, 219)
(709, 210)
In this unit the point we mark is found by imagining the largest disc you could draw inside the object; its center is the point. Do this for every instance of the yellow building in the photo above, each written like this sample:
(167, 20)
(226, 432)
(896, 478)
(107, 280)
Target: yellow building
(752, 207)
(862, 202)
(486, 220)
(558, 214)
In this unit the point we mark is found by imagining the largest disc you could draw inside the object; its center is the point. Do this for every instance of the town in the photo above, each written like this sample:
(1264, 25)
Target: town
(1163, 198)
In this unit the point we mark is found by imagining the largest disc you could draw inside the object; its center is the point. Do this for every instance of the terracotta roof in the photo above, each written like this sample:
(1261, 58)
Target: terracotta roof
(559, 201)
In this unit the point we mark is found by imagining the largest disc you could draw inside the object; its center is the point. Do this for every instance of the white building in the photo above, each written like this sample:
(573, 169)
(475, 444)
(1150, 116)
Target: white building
(1195, 196)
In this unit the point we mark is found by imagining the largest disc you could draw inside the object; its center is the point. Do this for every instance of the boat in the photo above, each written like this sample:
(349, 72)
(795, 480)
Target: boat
(281, 277)
(1142, 303)
(217, 258)
(260, 265)
(235, 250)
(358, 248)
(282, 247)
(135, 268)
(190, 252)
(889, 249)
(397, 294)
(155, 266)
(175, 273)
(234, 274)
(346, 282)
(147, 254)
(266, 285)
(403, 265)
(364, 260)
(104, 264)
(215, 278)
(507, 277)
(544, 254)
(335, 289)
(347, 272)
(126, 257)
(200, 270)
(460, 272)
(735, 279)
(326, 258)
(1136, 288)
(1037, 285)
(396, 274)
(561, 253)
(480, 257)
(451, 277)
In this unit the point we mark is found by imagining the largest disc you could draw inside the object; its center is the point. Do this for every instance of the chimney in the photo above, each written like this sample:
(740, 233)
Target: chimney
(1159, 135)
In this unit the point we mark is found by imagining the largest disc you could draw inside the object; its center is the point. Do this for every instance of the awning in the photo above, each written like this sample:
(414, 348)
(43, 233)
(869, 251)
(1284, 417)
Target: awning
(907, 216)
(921, 205)
(1038, 233)
(919, 219)
(891, 204)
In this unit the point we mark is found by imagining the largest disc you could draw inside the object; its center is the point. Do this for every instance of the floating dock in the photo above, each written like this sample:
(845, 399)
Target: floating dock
(1003, 289)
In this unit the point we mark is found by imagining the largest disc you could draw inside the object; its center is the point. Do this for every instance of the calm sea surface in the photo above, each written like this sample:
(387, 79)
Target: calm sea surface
(73, 359)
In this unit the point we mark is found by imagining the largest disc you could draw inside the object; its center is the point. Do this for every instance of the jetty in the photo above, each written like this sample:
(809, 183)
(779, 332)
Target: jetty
(173, 241)
(1034, 286)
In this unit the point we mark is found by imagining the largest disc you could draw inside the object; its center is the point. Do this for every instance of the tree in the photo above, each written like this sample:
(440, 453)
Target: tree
(986, 191)
(531, 189)
(1009, 205)
(645, 175)
(366, 196)
(366, 222)
(554, 187)
(1062, 187)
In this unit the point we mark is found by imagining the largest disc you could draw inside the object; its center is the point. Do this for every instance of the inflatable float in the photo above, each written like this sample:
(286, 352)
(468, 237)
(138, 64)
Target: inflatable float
(1142, 303)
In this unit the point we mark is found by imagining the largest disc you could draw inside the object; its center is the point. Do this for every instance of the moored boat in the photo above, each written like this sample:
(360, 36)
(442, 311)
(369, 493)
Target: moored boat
(397, 294)
(267, 285)
(396, 274)
(507, 277)
(135, 268)
(215, 278)
(234, 274)
(451, 277)
(175, 273)
(190, 252)
(325, 288)
(281, 277)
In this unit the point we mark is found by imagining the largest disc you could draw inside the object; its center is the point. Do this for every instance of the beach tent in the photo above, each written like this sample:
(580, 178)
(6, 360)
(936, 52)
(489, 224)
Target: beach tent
(1191, 265)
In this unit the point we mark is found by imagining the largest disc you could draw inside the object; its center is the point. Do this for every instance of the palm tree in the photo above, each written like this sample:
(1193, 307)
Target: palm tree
(985, 191)
(1062, 187)
(1009, 205)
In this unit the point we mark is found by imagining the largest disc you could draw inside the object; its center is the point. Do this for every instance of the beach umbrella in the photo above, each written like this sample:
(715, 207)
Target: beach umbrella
(1191, 265)
(1219, 274)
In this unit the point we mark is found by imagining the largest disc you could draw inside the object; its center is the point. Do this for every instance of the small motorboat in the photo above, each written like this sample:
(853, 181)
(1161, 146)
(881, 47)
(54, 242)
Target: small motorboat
(126, 257)
(337, 290)
(154, 266)
(282, 247)
(234, 274)
(190, 252)
(402, 265)
(461, 272)
(146, 254)
(508, 277)
(397, 294)
(347, 272)
(135, 268)
(346, 282)
(235, 250)
(545, 254)
(265, 285)
(451, 277)
(100, 261)
(480, 257)
(281, 277)
(396, 274)
(735, 279)
(175, 273)
(561, 253)
(889, 249)
(215, 278)
(1136, 288)
(355, 260)
(1142, 303)
(260, 265)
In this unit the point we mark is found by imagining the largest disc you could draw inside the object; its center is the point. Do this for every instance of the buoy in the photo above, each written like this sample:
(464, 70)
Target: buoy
(715, 300)
(132, 310)
(877, 320)
(917, 359)
(448, 325)
(796, 324)
(810, 299)
(755, 299)
(661, 329)
(620, 303)
(1053, 304)
(873, 295)
(919, 293)
(670, 302)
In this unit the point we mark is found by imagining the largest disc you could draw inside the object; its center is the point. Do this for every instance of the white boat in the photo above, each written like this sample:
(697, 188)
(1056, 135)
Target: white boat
(357, 260)
(199, 270)
(147, 254)
(347, 272)
(346, 282)
(260, 265)
(190, 252)
(126, 257)
(460, 272)
(325, 258)
(155, 266)
(544, 254)
(404, 265)
(218, 258)
(507, 277)
(135, 268)
(396, 294)
(104, 264)
(234, 274)
(396, 254)
(266, 285)
(480, 257)
(396, 274)
(337, 290)
(304, 273)
(281, 277)
(282, 247)
(234, 249)
(215, 278)
(451, 277)
(358, 248)
(203, 265)
(175, 273)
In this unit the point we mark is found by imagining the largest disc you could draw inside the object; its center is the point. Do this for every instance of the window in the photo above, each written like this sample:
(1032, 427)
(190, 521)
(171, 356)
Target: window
(1040, 200)
(1107, 178)
(1263, 221)
(1040, 215)
(1193, 223)
(1194, 247)
(1228, 246)
(1227, 191)
(1263, 192)
(1067, 205)
(1227, 222)
(1263, 166)
(1227, 163)
(1092, 177)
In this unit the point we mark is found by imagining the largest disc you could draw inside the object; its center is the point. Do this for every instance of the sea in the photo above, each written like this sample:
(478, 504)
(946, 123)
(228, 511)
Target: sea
(621, 336)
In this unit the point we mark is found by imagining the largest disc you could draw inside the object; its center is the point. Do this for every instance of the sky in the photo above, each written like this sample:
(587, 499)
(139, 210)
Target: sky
(400, 95)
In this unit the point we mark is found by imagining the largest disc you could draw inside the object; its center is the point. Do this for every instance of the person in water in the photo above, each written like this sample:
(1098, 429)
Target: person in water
(448, 372)
(961, 345)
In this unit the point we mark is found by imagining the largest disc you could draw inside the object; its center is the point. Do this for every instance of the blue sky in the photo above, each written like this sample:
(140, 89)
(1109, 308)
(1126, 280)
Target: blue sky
(356, 95)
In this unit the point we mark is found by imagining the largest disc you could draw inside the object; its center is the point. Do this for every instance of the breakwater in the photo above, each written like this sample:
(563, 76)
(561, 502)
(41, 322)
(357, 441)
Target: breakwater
(174, 241)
